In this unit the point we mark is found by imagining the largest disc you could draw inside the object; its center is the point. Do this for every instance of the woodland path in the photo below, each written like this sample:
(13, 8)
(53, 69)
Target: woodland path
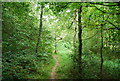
(53, 73)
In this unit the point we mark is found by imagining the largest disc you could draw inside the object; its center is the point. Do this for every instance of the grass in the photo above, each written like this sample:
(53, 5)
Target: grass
(91, 67)
(43, 71)
(65, 63)
(67, 68)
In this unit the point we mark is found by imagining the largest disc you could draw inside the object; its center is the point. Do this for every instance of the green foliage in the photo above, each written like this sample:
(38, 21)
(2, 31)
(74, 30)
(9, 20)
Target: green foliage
(43, 70)
(20, 29)
(20, 22)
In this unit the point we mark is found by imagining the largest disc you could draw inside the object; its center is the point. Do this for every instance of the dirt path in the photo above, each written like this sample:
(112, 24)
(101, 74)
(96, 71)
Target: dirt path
(53, 73)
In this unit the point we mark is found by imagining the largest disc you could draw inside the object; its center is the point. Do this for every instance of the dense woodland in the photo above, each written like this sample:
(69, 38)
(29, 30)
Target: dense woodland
(83, 37)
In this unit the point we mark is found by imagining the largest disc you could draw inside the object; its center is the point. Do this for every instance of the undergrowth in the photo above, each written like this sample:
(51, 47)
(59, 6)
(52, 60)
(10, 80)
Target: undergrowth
(43, 70)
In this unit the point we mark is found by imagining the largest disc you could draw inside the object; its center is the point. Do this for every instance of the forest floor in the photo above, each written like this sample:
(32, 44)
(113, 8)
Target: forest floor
(62, 66)
(53, 73)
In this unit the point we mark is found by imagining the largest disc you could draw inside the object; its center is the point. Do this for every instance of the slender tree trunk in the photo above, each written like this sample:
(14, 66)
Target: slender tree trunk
(55, 44)
(74, 39)
(80, 35)
(75, 32)
(101, 51)
(40, 30)
(80, 41)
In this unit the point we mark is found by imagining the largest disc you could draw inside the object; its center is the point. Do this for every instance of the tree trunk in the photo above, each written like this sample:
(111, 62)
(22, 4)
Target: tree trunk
(80, 35)
(40, 30)
(101, 52)
(75, 32)
(80, 41)
(55, 44)
(74, 38)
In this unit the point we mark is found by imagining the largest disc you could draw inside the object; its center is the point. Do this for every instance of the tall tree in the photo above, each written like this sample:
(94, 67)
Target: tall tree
(40, 29)
(101, 49)
(74, 37)
(80, 33)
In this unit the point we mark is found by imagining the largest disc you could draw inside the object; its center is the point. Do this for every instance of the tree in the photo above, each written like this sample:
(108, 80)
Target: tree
(80, 35)
(101, 50)
(75, 32)
(40, 29)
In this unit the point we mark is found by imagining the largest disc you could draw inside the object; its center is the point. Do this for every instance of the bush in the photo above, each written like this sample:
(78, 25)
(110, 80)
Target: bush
(19, 67)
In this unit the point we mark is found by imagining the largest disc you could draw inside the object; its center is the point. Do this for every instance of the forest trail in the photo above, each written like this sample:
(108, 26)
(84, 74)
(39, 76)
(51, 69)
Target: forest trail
(53, 73)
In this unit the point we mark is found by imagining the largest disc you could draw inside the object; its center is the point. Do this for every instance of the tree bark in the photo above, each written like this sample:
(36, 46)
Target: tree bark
(101, 51)
(40, 30)
(80, 36)
(75, 32)
(74, 39)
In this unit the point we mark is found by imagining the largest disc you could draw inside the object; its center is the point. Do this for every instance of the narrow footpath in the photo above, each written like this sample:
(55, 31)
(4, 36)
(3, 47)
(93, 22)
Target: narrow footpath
(53, 73)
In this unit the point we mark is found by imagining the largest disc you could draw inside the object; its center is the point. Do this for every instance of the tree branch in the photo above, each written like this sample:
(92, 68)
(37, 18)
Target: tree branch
(91, 36)
(105, 11)
(73, 20)
(100, 9)
(107, 28)
(70, 25)
(104, 4)
(113, 25)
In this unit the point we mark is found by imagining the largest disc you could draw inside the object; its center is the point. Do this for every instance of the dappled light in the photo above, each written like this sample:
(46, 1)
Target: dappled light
(60, 40)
